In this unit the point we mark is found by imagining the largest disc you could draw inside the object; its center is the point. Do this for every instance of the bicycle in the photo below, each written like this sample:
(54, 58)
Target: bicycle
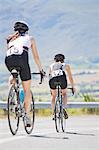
(16, 108)
(59, 114)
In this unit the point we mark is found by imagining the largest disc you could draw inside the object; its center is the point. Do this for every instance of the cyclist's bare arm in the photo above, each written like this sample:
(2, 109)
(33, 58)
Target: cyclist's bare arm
(68, 70)
(35, 54)
(12, 37)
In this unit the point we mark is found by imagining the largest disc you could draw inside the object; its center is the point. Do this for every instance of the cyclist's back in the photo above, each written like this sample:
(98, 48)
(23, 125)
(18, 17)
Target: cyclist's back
(57, 69)
(17, 46)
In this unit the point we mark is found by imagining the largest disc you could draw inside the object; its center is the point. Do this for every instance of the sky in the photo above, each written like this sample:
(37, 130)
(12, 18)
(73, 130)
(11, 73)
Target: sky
(70, 27)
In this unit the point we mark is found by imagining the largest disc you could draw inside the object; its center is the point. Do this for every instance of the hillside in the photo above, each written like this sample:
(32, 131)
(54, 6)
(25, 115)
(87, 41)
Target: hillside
(59, 26)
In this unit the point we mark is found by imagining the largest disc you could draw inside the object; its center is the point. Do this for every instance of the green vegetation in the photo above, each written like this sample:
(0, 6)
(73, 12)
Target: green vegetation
(3, 113)
(89, 98)
(71, 111)
(43, 112)
(75, 111)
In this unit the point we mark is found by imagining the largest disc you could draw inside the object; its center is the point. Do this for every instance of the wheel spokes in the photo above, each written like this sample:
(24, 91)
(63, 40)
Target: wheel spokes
(13, 119)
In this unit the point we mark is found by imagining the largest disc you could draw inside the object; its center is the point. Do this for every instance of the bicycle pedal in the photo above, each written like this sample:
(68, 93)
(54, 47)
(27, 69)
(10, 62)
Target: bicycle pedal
(65, 114)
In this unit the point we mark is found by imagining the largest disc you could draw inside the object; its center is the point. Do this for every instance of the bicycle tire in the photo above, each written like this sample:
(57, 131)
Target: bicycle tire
(13, 119)
(57, 115)
(32, 117)
(63, 121)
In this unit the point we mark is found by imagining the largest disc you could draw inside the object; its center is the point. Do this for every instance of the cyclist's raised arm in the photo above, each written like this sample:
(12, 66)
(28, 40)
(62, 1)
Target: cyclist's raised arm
(68, 70)
(35, 54)
(12, 37)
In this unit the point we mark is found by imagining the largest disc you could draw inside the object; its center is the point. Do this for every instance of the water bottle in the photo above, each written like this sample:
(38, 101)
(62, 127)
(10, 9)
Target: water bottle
(21, 95)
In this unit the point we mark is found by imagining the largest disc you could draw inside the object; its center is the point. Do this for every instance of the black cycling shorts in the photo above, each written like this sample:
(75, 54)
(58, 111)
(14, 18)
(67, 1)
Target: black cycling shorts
(62, 79)
(21, 62)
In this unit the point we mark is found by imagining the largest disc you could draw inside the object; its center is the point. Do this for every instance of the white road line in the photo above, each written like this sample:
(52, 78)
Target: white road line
(9, 139)
(4, 133)
(84, 128)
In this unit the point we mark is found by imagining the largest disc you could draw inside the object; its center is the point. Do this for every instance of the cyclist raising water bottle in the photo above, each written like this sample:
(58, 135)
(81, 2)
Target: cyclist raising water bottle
(57, 73)
(18, 45)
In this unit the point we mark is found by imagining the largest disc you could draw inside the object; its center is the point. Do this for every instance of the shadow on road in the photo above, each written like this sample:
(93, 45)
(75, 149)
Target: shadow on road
(75, 133)
(60, 137)
(49, 137)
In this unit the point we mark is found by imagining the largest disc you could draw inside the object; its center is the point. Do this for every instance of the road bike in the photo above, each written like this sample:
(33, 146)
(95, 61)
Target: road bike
(59, 112)
(16, 108)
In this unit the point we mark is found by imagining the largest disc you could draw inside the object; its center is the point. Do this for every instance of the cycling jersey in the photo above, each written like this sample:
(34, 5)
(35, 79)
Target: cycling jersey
(57, 69)
(17, 46)
(17, 56)
(57, 74)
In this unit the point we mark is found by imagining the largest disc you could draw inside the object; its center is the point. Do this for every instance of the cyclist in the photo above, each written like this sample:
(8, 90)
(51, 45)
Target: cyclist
(57, 73)
(18, 45)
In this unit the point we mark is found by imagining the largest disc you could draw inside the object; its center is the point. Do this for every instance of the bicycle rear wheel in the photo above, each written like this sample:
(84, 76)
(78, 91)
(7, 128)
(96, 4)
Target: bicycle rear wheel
(31, 115)
(57, 115)
(13, 118)
(63, 120)
(62, 115)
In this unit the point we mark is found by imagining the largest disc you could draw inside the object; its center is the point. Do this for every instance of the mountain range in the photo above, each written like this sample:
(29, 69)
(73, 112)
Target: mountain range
(58, 26)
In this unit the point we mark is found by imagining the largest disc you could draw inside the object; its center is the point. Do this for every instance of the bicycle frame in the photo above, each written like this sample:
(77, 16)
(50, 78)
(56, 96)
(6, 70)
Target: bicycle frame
(59, 96)
(58, 111)
(17, 89)
(16, 108)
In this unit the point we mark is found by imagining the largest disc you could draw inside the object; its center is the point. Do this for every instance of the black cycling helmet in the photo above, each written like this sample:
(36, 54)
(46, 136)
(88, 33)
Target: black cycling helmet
(21, 27)
(59, 57)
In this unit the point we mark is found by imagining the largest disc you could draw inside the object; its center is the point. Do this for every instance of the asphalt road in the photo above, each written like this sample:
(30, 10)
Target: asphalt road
(82, 133)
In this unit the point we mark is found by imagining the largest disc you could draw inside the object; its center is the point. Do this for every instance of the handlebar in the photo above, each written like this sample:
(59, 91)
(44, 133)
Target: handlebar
(72, 90)
(41, 76)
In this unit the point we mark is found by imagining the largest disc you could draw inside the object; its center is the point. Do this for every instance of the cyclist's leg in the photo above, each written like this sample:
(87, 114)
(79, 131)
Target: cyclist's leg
(53, 96)
(25, 75)
(64, 95)
(53, 92)
(11, 63)
(63, 82)
(27, 101)
(27, 93)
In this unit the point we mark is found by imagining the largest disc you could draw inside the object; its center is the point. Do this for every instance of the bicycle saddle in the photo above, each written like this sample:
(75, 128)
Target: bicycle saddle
(14, 72)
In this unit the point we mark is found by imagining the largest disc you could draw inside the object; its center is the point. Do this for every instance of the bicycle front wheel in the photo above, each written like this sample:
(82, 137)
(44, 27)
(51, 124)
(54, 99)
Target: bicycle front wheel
(57, 115)
(13, 118)
(31, 115)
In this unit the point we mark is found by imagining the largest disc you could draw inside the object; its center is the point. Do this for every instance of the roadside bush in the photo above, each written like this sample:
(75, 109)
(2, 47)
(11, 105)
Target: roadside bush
(89, 98)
